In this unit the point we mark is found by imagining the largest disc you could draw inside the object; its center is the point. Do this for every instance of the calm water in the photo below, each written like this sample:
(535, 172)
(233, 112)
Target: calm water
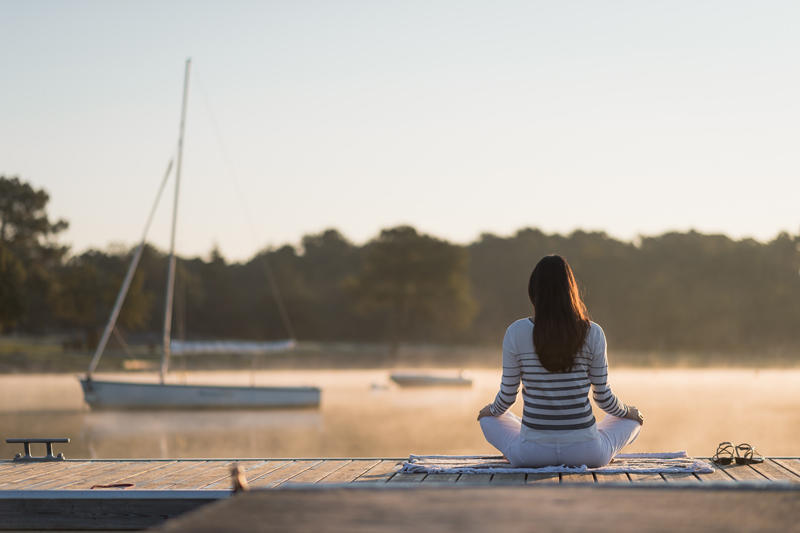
(363, 415)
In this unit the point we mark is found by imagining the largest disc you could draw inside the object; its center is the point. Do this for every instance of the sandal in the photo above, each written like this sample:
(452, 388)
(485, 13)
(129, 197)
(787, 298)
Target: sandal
(745, 455)
(724, 453)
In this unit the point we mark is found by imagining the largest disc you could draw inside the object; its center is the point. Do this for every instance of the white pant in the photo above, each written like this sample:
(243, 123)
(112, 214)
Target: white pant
(613, 433)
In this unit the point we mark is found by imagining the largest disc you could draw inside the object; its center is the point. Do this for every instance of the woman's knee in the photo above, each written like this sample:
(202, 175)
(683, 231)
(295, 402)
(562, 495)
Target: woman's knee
(507, 421)
(619, 432)
(492, 427)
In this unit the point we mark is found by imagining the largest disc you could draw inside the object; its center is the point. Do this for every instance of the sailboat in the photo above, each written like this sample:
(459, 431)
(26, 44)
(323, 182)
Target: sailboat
(110, 394)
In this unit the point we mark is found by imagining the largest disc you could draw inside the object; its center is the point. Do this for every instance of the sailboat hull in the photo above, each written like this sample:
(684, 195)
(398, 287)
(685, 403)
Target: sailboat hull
(129, 395)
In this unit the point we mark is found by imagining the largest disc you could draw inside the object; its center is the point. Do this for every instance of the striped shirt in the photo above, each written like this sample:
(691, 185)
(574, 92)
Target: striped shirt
(555, 400)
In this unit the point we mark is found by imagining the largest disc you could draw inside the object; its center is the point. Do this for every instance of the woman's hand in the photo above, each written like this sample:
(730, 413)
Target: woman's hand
(486, 411)
(634, 414)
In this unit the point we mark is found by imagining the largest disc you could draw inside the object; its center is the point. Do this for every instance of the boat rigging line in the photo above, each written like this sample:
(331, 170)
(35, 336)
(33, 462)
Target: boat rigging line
(232, 174)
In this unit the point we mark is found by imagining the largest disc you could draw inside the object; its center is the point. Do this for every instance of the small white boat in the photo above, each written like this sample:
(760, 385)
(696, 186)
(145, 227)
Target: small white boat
(130, 395)
(417, 379)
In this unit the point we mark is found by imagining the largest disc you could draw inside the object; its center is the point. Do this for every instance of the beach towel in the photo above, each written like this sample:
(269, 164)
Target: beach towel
(640, 463)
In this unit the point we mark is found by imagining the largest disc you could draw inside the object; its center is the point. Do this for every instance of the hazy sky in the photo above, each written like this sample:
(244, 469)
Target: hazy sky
(458, 117)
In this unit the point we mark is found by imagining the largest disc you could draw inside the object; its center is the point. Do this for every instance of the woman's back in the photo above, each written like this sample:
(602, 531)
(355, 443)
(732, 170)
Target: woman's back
(555, 401)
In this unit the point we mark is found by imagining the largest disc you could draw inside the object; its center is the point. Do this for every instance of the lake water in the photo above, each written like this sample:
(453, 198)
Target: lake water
(363, 415)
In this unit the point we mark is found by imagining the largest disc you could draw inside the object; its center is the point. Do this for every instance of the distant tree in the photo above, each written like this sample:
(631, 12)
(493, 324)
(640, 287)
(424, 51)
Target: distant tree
(499, 270)
(417, 285)
(279, 297)
(328, 262)
(24, 223)
(211, 306)
(29, 234)
(12, 279)
(89, 284)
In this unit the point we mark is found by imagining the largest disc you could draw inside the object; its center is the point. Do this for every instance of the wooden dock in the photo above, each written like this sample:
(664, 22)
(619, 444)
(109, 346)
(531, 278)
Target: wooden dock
(469, 508)
(142, 493)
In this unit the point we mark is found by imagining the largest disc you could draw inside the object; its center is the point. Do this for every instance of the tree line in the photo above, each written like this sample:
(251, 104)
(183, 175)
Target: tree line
(670, 292)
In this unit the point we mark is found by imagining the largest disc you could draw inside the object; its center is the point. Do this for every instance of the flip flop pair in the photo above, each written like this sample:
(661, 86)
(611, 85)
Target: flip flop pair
(742, 454)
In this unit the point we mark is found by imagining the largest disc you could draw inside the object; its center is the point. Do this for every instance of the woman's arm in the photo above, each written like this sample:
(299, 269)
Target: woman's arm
(598, 375)
(509, 383)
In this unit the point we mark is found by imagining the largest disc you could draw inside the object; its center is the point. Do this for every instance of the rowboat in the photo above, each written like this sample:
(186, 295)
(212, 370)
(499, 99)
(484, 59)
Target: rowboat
(418, 379)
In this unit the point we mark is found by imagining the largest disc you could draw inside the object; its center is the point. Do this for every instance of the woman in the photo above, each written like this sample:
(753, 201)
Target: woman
(557, 355)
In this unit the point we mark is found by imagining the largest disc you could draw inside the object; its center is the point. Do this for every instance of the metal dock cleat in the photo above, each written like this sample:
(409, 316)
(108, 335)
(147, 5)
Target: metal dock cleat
(26, 445)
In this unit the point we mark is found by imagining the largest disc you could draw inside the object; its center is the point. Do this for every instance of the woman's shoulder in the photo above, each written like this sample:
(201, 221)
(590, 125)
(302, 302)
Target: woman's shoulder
(518, 335)
(595, 333)
(521, 324)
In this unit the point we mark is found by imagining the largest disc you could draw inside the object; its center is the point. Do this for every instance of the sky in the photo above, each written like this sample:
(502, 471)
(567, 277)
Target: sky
(458, 117)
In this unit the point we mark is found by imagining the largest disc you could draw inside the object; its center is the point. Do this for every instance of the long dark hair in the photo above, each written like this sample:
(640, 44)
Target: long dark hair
(561, 322)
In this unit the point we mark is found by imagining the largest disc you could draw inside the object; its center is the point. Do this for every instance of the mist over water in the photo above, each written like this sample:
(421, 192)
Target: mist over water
(363, 414)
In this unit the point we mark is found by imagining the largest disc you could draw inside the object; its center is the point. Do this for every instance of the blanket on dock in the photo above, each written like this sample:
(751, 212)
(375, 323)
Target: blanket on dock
(641, 463)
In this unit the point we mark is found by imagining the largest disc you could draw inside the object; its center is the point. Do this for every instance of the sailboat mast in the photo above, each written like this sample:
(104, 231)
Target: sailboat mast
(171, 262)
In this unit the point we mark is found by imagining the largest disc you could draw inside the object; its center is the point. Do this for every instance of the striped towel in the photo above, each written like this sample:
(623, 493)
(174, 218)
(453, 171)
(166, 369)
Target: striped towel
(640, 463)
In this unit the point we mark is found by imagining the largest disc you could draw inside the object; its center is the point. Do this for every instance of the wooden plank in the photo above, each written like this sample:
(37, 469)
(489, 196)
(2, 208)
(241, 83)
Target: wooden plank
(792, 465)
(775, 472)
(133, 477)
(205, 474)
(403, 477)
(742, 472)
(33, 471)
(76, 475)
(251, 472)
(110, 475)
(318, 471)
(276, 477)
(680, 477)
(475, 479)
(68, 475)
(380, 473)
(441, 478)
(508, 479)
(645, 478)
(350, 471)
(586, 477)
(543, 478)
(165, 482)
(7, 466)
(209, 474)
(151, 478)
(611, 478)
(24, 471)
(717, 475)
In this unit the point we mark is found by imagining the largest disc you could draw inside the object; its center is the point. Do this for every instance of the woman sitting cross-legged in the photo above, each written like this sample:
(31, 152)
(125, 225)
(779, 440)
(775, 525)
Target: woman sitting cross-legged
(557, 355)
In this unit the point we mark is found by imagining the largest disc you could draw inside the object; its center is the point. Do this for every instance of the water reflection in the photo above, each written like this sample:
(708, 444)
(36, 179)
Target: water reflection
(686, 409)
(178, 433)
